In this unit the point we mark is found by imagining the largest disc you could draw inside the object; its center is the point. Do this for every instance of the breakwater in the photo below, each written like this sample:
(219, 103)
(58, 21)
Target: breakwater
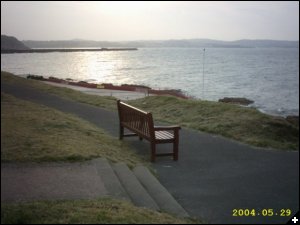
(9, 51)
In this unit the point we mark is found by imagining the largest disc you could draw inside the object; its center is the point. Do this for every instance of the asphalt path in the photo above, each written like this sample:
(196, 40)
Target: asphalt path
(214, 177)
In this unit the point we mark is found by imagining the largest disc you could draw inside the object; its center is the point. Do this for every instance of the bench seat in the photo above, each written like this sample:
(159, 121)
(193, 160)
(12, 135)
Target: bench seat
(163, 135)
(141, 124)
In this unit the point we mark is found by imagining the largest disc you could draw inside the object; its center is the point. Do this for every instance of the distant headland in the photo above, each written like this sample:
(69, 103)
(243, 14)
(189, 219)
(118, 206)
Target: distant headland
(10, 44)
(183, 43)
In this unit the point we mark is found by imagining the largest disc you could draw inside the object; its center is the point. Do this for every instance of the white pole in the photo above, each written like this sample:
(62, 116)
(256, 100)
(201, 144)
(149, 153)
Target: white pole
(203, 74)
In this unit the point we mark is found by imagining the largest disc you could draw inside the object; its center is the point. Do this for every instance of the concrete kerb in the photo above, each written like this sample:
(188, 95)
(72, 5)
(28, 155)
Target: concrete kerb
(135, 190)
(160, 194)
(110, 180)
(123, 95)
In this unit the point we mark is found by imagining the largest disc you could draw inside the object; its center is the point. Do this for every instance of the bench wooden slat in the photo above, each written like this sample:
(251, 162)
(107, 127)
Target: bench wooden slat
(163, 135)
(141, 123)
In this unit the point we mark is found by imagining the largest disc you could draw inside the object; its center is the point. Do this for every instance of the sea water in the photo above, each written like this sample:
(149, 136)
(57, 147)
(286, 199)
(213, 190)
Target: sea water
(268, 76)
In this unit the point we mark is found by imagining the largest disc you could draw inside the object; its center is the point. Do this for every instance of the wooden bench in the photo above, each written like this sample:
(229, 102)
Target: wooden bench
(141, 124)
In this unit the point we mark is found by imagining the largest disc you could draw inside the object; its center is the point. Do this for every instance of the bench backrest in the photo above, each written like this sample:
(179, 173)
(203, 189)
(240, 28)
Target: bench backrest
(136, 120)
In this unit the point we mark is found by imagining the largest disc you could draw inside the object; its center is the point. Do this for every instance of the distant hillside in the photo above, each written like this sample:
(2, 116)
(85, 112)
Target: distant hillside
(189, 43)
(12, 43)
(268, 43)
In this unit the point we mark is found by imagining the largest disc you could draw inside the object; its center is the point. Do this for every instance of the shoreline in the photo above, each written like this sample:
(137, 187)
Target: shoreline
(130, 91)
(235, 122)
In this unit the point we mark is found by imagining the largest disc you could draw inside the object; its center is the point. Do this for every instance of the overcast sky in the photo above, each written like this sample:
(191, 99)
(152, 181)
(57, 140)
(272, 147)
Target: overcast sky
(122, 21)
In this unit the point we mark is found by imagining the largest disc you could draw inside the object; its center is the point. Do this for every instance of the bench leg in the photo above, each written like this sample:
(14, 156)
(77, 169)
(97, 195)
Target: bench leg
(175, 148)
(175, 145)
(175, 151)
(153, 152)
(121, 134)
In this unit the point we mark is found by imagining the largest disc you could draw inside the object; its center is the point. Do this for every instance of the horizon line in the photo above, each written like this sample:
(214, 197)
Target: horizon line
(145, 40)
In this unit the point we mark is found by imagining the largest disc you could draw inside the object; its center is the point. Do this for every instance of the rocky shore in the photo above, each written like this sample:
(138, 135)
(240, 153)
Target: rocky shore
(109, 86)
(293, 120)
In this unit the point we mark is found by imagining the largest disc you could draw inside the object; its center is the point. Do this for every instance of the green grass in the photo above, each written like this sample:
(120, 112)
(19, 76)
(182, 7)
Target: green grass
(101, 211)
(32, 132)
(244, 124)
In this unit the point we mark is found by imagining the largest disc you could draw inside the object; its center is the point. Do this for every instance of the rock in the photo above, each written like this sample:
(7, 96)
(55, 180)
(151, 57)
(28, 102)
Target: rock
(293, 120)
(35, 77)
(239, 101)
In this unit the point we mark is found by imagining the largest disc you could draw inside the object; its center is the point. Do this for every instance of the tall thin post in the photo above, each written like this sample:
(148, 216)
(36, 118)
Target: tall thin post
(203, 74)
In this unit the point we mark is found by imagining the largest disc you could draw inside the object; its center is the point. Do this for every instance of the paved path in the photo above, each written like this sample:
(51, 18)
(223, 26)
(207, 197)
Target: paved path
(38, 181)
(123, 95)
(213, 176)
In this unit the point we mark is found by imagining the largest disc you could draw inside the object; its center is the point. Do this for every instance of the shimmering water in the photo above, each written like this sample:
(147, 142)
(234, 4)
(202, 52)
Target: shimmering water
(269, 76)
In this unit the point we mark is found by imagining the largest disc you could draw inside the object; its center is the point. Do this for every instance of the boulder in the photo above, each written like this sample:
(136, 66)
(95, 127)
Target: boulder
(239, 101)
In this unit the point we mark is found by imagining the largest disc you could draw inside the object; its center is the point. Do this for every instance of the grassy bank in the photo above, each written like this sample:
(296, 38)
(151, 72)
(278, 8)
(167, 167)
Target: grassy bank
(239, 123)
(32, 132)
(102, 211)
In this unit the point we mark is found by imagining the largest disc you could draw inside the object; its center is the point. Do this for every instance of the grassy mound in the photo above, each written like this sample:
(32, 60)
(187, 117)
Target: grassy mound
(244, 124)
(32, 132)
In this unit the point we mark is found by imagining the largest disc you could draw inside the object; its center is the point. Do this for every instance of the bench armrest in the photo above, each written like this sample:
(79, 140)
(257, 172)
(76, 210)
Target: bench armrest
(157, 128)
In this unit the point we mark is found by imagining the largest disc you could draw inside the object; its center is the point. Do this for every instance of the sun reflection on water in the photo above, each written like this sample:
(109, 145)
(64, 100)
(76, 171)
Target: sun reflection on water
(103, 67)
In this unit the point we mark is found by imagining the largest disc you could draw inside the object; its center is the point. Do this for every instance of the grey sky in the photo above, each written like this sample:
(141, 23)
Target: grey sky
(121, 21)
